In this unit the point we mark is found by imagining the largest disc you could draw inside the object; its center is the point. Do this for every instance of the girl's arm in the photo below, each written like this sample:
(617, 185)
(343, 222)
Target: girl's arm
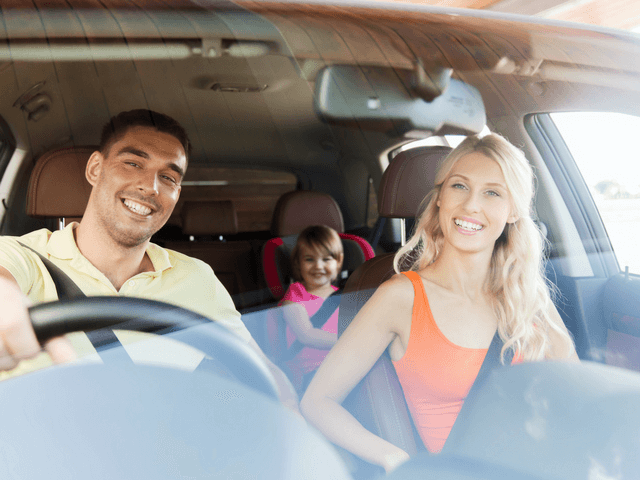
(369, 334)
(297, 318)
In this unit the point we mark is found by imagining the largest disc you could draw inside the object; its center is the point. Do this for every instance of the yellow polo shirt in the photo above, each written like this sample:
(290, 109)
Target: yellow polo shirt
(176, 278)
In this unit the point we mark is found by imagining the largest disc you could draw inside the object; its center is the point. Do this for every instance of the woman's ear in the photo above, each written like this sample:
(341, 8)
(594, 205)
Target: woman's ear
(94, 166)
(513, 218)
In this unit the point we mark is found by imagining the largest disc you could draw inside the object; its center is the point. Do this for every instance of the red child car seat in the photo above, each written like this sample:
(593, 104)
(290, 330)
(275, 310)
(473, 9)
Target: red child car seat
(293, 212)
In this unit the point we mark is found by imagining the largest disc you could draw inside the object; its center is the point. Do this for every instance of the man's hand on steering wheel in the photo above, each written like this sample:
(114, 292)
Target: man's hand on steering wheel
(17, 338)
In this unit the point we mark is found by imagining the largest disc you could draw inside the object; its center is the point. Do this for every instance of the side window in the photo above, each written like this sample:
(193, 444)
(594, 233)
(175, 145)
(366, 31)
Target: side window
(606, 152)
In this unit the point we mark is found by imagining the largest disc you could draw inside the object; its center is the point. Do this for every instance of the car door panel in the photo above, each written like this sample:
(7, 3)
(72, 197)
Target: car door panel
(621, 306)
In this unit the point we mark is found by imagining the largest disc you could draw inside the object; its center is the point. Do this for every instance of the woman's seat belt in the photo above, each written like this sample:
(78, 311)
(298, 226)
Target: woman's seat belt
(491, 361)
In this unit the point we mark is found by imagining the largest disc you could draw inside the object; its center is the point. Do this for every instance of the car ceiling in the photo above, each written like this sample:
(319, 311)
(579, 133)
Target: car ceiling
(518, 68)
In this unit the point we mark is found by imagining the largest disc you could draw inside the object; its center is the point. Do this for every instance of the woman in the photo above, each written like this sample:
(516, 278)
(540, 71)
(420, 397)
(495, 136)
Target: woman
(475, 265)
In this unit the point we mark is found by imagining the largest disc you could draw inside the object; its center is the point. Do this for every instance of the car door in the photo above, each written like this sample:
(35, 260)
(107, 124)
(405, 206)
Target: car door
(595, 164)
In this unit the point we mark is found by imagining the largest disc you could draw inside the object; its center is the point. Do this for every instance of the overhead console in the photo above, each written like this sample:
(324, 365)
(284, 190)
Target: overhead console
(416, 100)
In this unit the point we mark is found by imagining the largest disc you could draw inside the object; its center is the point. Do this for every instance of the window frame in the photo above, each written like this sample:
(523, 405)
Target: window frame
(574, 192)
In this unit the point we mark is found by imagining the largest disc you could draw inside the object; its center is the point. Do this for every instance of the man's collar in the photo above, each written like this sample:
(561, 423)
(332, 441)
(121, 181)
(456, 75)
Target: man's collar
(159, 257)
(62, 245)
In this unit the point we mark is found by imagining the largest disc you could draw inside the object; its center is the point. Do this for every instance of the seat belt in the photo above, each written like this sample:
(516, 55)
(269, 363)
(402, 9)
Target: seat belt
(330, 305)
(491, 362)
(377, 232)
(103, 339)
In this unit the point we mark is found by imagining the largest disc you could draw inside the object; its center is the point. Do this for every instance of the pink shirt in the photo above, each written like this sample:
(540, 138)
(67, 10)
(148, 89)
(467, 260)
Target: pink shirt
(308, 359)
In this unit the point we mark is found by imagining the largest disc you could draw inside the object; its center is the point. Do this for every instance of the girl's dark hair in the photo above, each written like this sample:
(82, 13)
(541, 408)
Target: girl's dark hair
(316, 237)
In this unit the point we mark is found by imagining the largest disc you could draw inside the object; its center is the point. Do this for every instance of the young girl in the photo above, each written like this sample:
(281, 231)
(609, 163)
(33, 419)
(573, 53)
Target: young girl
(316, 261)
(474, 266)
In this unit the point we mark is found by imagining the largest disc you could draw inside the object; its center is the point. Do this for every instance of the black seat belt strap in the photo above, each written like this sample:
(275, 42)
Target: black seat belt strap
(66, 288)
(330, 305)
(490, 362)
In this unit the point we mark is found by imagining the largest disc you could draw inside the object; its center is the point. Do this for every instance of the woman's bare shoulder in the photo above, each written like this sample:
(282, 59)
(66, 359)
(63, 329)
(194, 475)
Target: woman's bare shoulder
(398, 285)
(387, 309)
(395, 293)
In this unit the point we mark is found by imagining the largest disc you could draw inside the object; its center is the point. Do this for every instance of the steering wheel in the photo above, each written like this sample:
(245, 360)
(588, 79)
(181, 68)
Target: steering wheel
(52, 319)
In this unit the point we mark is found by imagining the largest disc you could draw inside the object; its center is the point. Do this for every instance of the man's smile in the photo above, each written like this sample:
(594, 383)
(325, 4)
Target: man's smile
(136, 207)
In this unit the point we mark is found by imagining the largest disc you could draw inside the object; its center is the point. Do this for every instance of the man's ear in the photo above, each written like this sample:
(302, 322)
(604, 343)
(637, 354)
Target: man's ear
(94, 167)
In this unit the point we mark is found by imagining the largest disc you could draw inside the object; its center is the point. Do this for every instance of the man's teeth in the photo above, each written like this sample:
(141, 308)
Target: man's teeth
(468, 225)
(137, 208)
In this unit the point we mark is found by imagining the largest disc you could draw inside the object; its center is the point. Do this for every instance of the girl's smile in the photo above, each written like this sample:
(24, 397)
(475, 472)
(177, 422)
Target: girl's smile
(317, 268)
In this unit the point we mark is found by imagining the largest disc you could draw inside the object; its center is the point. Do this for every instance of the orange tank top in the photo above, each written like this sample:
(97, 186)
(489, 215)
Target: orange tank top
(436, 375)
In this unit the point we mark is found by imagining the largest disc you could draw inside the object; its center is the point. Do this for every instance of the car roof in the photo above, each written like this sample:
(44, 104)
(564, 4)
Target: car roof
(500, 54)
(241, 77)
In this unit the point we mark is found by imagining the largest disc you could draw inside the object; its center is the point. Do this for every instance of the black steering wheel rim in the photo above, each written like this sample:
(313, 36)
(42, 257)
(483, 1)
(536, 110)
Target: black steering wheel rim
(53, 319)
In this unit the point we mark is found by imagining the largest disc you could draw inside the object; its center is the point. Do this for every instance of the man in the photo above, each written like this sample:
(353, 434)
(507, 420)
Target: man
(136, 176)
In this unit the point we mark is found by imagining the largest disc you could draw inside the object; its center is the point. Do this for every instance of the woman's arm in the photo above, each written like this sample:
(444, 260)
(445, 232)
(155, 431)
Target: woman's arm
(297, 318)
(560, 348)
(369, 334)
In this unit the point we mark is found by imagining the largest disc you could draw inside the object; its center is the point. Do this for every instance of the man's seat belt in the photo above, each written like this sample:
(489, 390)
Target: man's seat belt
(491, 361)
(103, 339)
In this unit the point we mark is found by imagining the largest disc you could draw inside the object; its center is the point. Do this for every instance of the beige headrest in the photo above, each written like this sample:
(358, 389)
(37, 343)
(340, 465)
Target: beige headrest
(408, 179)
(58, 186)
(209, 218)
(297, 210)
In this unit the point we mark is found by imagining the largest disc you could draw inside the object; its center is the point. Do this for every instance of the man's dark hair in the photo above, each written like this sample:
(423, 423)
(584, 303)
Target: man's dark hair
(119, 124)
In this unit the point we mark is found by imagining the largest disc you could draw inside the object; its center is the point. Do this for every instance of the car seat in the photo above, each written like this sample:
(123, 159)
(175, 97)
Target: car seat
(58, 187)
(293, 212)
(378, 400)
(206, 222)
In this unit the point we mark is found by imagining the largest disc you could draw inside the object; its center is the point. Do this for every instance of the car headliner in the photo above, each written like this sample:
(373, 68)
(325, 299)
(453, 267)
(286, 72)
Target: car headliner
(281, 123)
(519, 66)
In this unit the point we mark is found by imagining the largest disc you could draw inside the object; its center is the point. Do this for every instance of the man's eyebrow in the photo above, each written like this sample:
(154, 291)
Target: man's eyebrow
(177, 169)
(134, 151)
(141, 153)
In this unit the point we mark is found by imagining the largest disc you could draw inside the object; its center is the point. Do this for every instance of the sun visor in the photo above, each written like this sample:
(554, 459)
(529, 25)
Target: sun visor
(392, 99)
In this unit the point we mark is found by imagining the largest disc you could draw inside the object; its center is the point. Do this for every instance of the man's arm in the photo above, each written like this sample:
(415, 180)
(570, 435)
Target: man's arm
(17, 339)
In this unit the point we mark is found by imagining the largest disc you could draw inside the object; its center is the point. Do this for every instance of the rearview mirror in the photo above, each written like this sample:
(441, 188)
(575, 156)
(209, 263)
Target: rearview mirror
(374, 96)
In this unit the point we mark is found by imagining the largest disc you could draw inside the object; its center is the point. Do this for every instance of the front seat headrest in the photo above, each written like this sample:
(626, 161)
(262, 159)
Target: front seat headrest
(407, 180)
(215, 217)
(299, 209)
(58, 187)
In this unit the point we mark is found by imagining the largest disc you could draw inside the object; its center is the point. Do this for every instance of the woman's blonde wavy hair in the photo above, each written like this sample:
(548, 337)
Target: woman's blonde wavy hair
(516, 275)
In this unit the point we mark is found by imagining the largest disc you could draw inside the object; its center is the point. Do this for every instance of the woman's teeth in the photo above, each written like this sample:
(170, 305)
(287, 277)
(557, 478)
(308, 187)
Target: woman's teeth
(468, 225)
